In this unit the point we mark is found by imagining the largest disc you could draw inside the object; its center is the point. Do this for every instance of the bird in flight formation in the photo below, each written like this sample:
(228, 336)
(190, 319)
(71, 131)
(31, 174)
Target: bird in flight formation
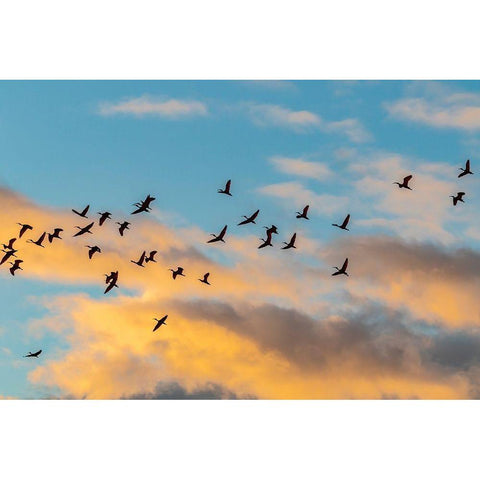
(104, 216)
(123, 227)
(404, 184)
(24, 228)
(458, 198)
(111, 281)
(140, 261)
(93, 250)
(343, 226)
(343, 270)
(291, 243)
(39, 241)
(304, 213)
(56, 234)
(250, 219)
(83, 213)
(205, 279)
(143, 206)
(33, 355)
(466, 170)
(15, 266)
(226, 190)
(177, 272)
(160, 322)
(219, 237)
(83, 230)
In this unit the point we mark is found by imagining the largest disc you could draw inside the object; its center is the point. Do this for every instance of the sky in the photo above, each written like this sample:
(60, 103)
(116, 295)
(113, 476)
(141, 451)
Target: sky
(273, 324)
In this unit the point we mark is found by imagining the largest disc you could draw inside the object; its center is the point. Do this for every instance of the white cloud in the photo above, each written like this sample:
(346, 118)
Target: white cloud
(142, 106)
(300, 167)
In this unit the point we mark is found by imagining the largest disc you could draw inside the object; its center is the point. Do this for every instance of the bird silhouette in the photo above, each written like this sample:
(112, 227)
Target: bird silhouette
(291, 243)
(123, 227)
(160, 322)
(267, 242)
(144, 206)
(219, 237)
(39, 241)
(9, 246)
(404, 184)
(343, 270)
(15, 266)
(226, 190)
(83, 213)
(458, 198)
(250, 219)
(178, 271)
(140, 261)
(272, 229)
(304, 213)
(103, 217)
(24, 228)
(8, 254)
(55, 234)
(92, 250)
(205, 278)
(343, 226)
(111, 280)
(35, 354)
(85, 229)
(466, 170)
(151, 257)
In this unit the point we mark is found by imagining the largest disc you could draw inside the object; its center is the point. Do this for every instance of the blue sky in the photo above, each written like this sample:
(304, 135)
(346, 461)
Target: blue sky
(110, 143)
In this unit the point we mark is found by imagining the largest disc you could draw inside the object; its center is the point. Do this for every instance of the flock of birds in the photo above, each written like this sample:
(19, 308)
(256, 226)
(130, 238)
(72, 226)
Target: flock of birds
(111, 279)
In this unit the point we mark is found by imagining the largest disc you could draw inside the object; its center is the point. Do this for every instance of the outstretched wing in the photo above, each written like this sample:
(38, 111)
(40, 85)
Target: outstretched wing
(468, 165)
(223, 232)
(407, 179)
(345, 265)
(205, 277)
(345, 222)
(305, 209)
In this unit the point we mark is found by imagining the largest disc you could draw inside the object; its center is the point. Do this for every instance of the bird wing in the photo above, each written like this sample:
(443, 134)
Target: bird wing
(345, 222)
(42, 236)
(345, 264)
(179, 270)
(85, 210)
(142, 257)
(138, 210)
(109, 287)
(90, 253)
(468, 165)
(11, 242)
(157, 326)
(461, 194)
(255, 215)
(227, 185)
(205, 277)
(305, 210)
(407, 179)
(224, 231)
(462, 174)
(294, 237)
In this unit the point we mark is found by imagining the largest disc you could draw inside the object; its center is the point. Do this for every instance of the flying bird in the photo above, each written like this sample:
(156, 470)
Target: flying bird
(93, 249)
(291, 243)
(466, 170)
(250, 219)
(112, 276)
(178, 271)
(83, 230)
(458, 198)
(140, 261)
(8, 254)
(39, 241)
(226, 190)
(304, 213)
(103, 217)
(24, 228)
(272, 229)
(205, 279)
(35, 354)
(160, 322)
(83, 213)
(343, 270)
(267, 242)
(15, 266)
(112, 281)
(151, 257)
(219, 237)
(343, 226)
(404, 184)
(9, 246)
(55, 234)
(143, 206)
(123, 227)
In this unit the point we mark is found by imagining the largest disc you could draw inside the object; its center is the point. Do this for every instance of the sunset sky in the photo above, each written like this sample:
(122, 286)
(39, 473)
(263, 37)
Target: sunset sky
(274, 324)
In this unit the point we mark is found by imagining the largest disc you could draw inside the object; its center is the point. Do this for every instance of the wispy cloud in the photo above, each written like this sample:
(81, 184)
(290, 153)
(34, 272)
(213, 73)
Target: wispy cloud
(301, 167)
(148, 106)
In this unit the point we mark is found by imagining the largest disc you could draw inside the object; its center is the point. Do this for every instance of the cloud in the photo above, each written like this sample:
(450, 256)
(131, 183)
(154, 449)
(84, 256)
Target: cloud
(443, 109)
(147, 106)
(301, 167)
(303, 121)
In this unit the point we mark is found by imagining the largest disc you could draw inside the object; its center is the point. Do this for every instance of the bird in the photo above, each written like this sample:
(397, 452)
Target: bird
(140, 261)
(226, 190)
(83, 230)
(103, 217)
(35, 354)
(267, 242)
(458, 197)
(112, 281)
(219, 237)
(178, 271)
(55, 234)
(160, 322)
(151, 257)
(404, 184)
(343, 226)
(304, 213)
(15, 266)
(83, 213)
(250, 219)
(39, 241)
(144, 206)
(8, 254)
(93, 249)
(291, 243)
(9, 246)
(24, 228)
(272, 229)
(466, 170)
(205, 279)
(342, 270)
(123, 227)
